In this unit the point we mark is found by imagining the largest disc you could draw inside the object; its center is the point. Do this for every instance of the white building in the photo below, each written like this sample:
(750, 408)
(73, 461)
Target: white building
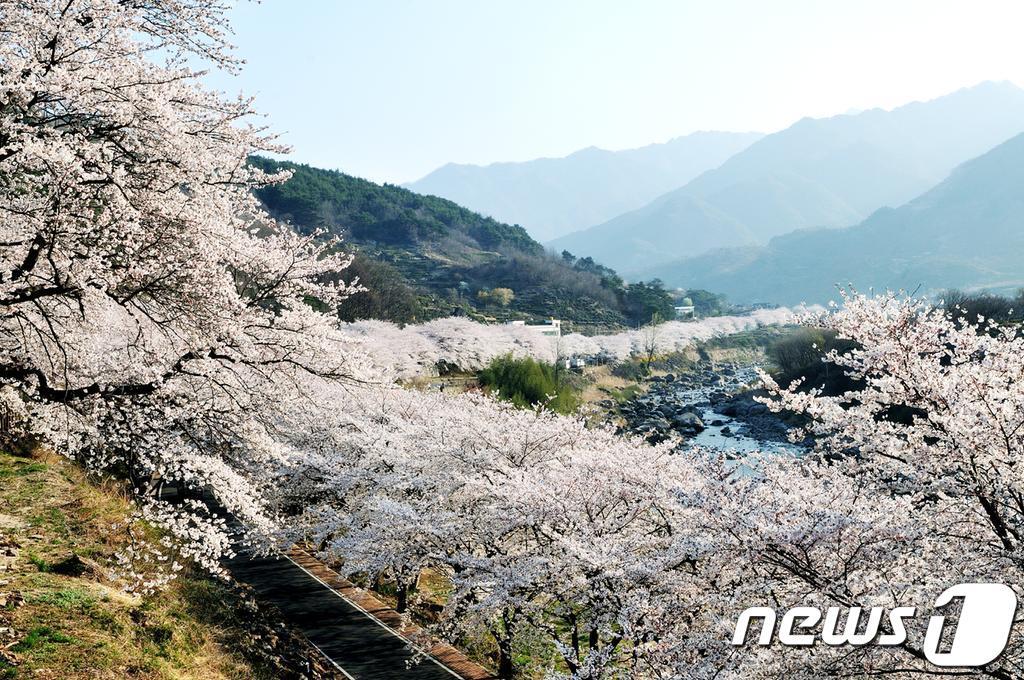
(551, 328)
(685, 308)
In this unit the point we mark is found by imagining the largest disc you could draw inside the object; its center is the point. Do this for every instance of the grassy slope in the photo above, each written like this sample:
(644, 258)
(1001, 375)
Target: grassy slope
(58, 625)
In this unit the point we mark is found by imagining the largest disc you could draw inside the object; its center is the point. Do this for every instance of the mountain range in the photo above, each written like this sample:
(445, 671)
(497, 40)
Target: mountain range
(967, 232)
(931, 189)
(554, 196)
(830, 172)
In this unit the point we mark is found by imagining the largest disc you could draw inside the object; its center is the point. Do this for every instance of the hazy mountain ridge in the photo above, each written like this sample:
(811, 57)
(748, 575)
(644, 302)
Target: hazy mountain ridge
(829, 172)
(554, 196)
(966, 232)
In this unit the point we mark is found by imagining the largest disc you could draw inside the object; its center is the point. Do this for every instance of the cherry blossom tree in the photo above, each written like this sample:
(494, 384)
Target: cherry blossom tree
(622, 559)
(405, 352)
(915, 485)
(578, 539)
(153, 319)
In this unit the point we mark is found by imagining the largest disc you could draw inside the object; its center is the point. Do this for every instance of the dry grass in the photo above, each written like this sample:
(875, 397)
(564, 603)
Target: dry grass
(602, 384)
(62, 617)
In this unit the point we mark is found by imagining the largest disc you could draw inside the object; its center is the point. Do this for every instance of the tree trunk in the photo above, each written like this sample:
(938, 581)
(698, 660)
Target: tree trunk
(504, 638)
(506, 670)
(403, 598)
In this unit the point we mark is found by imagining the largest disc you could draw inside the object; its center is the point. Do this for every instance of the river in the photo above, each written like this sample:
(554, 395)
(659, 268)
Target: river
(729, 420)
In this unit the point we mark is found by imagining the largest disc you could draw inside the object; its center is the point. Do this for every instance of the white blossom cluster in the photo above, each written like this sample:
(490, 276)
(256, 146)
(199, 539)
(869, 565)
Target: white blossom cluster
(402, 353)
(581, 538)
(630, 560)
(406, 352)
(675, 336)
(916, 485)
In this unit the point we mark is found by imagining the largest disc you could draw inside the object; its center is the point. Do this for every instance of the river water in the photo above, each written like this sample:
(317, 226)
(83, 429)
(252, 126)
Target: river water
(725, 433)
(713, 437)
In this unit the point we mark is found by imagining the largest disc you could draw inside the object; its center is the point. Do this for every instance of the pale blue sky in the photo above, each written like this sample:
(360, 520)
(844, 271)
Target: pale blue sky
(391, 89)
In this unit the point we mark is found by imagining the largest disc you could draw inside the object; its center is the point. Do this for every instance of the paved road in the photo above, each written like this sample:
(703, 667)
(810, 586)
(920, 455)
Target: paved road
(362, 647)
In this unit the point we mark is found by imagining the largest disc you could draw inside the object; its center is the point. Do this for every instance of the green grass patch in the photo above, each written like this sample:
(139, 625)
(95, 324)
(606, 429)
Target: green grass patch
(66, 599)
(625, 394)
(53, 518)
(19, 468)
(41, 636)
(39, 563)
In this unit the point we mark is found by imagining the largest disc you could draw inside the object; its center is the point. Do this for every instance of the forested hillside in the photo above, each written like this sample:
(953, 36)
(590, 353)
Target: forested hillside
(383, 213)
(423, 257)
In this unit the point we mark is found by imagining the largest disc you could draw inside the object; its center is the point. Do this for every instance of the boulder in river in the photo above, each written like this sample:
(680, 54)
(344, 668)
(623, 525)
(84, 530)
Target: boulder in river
(655, 424)
(688, 423)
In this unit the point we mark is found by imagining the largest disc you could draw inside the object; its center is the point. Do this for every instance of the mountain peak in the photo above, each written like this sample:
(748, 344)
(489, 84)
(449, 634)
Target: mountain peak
(553, 196)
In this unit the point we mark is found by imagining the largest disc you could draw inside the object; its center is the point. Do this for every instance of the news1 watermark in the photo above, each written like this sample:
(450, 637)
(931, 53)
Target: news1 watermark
(981, 632)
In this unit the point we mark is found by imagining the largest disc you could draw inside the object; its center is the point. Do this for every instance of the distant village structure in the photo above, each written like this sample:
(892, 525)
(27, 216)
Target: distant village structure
(551, 328)
(685, 310)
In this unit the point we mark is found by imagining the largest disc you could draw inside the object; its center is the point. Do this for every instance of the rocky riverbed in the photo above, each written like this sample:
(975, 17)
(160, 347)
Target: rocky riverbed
(711, 406)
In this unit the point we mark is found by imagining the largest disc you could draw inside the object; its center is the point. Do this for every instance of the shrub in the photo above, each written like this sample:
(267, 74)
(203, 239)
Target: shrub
(796, 352)
(798, 355)
(968, 307)
(631, 369)
(497, 296)
(387, 297)
(527, 382)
